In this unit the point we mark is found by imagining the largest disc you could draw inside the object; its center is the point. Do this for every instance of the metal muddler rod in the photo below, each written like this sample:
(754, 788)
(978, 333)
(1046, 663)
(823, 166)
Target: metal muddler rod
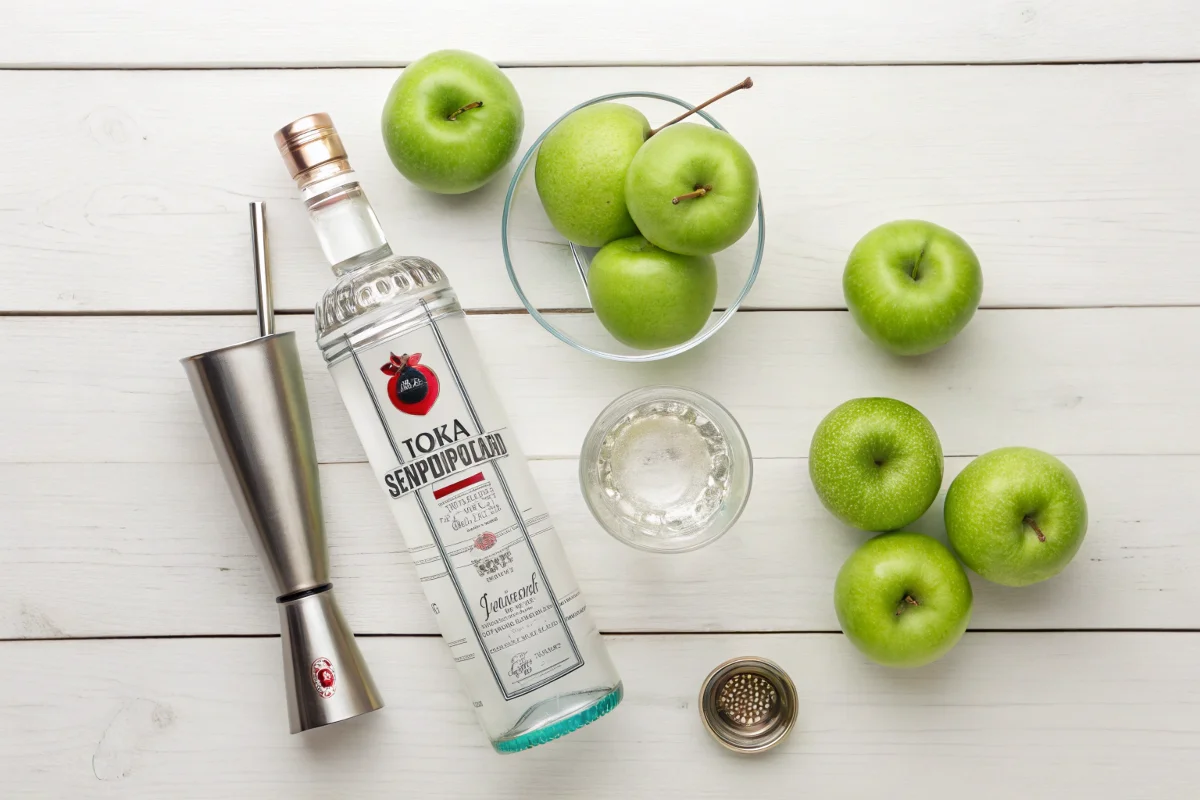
(252, 398)
(262, 268)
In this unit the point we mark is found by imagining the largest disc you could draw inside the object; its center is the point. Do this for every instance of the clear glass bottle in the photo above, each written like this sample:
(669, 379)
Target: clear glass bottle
(492, 566)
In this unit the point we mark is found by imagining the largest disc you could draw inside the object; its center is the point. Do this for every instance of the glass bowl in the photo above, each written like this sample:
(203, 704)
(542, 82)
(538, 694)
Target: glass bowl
(550, 273)
(666, 469)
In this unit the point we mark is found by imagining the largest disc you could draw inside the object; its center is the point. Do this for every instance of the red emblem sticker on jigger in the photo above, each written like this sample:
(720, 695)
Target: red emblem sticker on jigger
(324, 677)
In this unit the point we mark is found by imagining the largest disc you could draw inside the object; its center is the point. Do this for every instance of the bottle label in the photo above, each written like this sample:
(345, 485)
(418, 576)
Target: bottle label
(440, 444)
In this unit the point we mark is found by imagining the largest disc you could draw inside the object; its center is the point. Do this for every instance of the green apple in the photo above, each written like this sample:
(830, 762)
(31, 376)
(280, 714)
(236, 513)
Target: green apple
(580, 172)
(692, 189)
(903, 599)
(1016, 516)
(876, 463)
(912, 285)
(452, 121)
(649, 298)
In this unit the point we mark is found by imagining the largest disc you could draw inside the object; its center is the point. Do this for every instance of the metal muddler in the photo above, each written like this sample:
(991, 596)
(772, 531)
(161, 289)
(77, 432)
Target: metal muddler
(254, 405)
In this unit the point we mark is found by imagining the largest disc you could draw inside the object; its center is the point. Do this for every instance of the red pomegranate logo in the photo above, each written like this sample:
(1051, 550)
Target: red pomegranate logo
(324, 678)
(485, 541)
(413, 387)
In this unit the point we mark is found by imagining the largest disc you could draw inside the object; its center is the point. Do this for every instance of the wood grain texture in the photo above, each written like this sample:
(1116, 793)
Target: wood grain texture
(1103, 381)
(1031, 715)
(359, 32)
(125, 190)
(140, 549)
(1075, 184)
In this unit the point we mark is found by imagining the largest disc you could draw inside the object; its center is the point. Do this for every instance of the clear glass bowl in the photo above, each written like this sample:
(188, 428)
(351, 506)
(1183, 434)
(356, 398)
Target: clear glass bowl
(550, 273)
(666, 469)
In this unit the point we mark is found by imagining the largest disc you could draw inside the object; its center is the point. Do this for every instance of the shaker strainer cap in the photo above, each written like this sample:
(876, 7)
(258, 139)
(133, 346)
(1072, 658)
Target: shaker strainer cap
(748, 704)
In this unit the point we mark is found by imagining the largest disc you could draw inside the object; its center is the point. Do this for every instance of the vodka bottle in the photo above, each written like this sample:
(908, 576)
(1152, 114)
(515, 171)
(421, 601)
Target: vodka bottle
(494, 572)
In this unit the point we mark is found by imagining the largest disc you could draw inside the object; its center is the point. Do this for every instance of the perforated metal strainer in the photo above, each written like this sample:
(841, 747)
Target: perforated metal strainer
(748, 704)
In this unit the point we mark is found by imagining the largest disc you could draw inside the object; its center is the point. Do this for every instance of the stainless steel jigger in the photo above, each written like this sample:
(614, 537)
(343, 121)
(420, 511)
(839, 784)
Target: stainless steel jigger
(254, 405)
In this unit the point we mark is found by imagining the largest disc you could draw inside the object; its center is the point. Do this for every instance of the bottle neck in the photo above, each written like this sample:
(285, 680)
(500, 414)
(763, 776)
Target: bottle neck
(346, 225)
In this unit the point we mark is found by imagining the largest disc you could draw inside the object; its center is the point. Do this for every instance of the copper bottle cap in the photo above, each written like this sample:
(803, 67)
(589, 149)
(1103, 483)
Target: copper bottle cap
(311, 142)
(748, 704)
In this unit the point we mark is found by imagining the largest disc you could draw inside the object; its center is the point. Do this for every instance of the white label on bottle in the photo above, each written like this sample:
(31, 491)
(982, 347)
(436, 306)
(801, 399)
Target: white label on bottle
(440, 444)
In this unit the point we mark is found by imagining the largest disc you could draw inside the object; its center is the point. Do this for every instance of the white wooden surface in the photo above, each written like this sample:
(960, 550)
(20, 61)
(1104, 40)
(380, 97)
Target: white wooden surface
(136, 627)
(108, 536)
(1015, 715)
(366, 33)
(1066, 179)
(1077, 381)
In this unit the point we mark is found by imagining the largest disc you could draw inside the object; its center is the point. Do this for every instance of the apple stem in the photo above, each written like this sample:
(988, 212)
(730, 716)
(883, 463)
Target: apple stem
(1031, 522)
(700, 192)
(908, 598)
(454, 117)
(746, 84)
(917, 264)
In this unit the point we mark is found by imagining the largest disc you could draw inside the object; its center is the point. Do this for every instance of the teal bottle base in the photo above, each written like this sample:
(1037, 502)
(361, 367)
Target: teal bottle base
(563, 726)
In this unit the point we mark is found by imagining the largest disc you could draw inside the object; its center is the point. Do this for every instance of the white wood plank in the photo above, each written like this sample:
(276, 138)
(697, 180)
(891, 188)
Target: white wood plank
(139, 549)
(128, 190)
(359, 32)
(88, 389)
(1005, 715)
